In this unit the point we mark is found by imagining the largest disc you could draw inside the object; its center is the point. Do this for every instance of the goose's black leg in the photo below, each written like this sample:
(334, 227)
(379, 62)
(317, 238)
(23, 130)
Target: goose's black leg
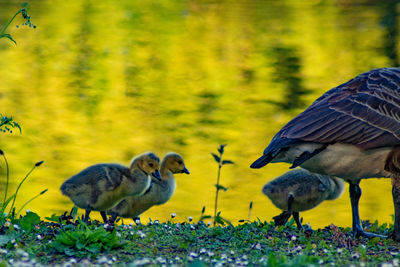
(87, 212)
(297, 220)
(396, 201)
(282, 218)
(355, 194)
(104, 216)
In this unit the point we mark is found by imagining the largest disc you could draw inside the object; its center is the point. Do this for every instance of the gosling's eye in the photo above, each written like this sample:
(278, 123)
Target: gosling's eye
(180, 162)
(151, 164)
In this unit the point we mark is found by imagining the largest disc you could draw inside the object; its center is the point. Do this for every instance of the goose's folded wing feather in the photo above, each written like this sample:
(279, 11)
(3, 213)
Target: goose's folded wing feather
(364, 112)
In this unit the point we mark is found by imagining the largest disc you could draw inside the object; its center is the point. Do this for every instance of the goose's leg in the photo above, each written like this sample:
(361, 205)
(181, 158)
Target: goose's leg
(296, 216)
(87, 212)
(396, 201)
(113, 217)
(282, 218)
(355, 194)
(104, 216)
(297, 220)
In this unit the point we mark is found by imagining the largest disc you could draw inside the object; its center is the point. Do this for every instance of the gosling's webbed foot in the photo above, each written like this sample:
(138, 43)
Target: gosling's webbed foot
(282, 218)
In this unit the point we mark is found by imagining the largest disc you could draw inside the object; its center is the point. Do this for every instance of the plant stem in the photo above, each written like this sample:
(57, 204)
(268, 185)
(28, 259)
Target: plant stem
(216, 194)
(16, 192)
(8, 24)
(8, 175)
(26, 203)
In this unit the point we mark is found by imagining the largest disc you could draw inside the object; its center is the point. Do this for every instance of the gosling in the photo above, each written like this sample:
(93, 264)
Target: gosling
(159, 192)
(101, 186)
(300, 190)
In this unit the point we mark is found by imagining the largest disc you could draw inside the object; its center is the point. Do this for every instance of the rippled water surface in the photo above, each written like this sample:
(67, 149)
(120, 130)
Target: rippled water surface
(101, 81)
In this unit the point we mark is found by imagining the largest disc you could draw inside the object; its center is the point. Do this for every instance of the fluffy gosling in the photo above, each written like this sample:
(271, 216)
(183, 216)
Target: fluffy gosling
(301, 190)
(159, 192)
(101, 186)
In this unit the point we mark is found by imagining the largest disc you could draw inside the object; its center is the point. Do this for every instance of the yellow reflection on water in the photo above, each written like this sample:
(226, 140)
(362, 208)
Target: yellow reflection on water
(103, 81)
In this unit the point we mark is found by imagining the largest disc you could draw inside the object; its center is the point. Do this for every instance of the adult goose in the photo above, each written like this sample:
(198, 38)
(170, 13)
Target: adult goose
(352, 132)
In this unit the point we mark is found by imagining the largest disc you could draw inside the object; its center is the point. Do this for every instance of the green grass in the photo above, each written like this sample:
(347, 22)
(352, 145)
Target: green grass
(196, 244)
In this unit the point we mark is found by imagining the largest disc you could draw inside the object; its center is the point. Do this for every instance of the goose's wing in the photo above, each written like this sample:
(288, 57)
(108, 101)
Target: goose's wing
(364, 111)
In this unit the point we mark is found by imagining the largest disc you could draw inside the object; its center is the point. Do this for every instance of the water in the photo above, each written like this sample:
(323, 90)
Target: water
(101, 81)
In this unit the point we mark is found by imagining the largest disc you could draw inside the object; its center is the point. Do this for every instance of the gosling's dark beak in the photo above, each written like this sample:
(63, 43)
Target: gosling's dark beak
(185, 170)
(157, 174)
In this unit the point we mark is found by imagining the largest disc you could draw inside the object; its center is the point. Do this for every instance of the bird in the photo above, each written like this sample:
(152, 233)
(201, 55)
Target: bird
(159, 192)
(353, 132)
(300, 190)
(101, 186)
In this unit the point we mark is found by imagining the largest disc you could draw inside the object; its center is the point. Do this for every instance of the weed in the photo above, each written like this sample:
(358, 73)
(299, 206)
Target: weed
(24, 12)
(7, 200)
(85, 241)
(7, 122)
(218, 186)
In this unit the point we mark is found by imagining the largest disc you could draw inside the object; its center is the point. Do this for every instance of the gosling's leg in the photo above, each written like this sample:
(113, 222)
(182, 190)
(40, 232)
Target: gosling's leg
(355, 194)
(282, 218)
(396, 201)
(87, 212)
(113, 217)
(297, 220)
(104, 216)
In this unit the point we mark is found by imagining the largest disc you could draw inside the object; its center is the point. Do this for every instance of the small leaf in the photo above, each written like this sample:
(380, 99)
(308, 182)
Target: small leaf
(216, 158)
(6, 35)
(219, 220)
(44, 191)
(17, 125)
(226, 221)
(226, 161)
(221, 149)
(220, 187)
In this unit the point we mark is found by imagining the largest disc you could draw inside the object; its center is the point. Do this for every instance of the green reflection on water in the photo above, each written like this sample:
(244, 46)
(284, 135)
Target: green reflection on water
(104, 81)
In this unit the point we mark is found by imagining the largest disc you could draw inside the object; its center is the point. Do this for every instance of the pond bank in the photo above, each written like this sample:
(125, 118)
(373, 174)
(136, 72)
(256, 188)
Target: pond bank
(184, 243)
